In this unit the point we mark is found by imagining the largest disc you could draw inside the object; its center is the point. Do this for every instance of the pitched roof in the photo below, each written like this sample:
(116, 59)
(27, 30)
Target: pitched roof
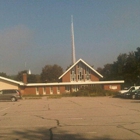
(12, 81)
(85, 64)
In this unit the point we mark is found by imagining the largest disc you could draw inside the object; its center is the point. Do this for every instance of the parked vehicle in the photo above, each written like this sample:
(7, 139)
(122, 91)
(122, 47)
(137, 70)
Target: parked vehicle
(10, 94)
(131, 89)
(128, 95)
(136, 94)
(132, 94)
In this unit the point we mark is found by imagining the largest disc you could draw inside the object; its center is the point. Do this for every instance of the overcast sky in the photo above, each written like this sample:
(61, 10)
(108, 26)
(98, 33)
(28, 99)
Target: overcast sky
(35, 33)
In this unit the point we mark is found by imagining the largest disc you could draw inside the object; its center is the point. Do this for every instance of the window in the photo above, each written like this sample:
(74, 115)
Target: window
(75, 88)
(44, 91)
(0, 92)
(67, 88)
(58, 90)
(73, 75)
(51, 90)
(80, 72)
(9, 91)
(37, 91)
(87, 74)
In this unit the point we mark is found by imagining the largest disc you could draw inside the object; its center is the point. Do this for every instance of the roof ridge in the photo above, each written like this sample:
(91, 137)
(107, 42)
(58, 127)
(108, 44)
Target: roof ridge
(85, 64)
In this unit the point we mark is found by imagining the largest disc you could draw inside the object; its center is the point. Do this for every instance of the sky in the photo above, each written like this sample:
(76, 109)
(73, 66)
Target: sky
(36, 33)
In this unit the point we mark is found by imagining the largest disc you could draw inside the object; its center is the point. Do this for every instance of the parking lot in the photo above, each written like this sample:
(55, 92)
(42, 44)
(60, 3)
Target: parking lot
(70, 118)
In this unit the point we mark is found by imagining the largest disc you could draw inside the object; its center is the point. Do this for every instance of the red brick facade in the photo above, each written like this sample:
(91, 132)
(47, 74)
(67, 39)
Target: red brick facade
(113, 87)
(79, 74)
(66, 77)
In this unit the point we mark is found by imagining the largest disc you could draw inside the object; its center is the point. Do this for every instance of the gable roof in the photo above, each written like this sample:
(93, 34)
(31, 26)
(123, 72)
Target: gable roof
(85, 64)
(12, 81)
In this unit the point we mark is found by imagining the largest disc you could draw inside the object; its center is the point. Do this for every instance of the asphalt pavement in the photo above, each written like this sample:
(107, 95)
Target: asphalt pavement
(70, 118)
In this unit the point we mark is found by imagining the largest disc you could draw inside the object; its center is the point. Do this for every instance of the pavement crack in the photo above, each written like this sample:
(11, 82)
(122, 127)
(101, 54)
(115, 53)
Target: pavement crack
(51, 132)
(57, 121)
(135, 110)
(74, 103)
(4, 114)
(120, 126)
(51, 129)
(39, 117)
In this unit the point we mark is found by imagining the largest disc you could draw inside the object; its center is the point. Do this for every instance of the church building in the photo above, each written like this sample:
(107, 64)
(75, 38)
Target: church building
(78, 75)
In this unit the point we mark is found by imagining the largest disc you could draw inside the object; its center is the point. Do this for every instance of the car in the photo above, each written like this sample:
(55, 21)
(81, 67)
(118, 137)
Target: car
(132, 88)
(136, 94)
(10, 94)
(132, 94)
(128, 95)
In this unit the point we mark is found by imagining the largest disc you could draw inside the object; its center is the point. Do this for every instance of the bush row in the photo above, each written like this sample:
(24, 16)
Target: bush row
(96, 90)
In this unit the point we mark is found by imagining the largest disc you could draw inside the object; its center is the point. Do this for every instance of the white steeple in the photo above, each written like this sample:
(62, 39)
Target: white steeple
(29, 72)
(72, 39)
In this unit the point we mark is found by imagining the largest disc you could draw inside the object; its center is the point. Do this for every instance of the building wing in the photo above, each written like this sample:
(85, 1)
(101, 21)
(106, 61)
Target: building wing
(10, 80)
(80, 71)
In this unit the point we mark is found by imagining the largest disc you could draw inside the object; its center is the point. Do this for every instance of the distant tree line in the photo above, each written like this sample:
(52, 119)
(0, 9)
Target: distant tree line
(126, 67)
(50, 73)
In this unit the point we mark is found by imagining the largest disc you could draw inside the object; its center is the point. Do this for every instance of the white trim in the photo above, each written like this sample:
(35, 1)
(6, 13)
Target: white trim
(75, 83)
(85, 64)
(51, 90)
(12, 81)
(37, 91)
(44, 90)
(58, 90)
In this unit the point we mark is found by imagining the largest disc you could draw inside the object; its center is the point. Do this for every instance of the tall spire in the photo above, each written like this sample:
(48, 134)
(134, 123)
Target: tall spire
(72, 40)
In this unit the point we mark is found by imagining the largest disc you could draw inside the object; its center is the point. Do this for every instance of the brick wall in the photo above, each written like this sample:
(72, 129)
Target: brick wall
(113, 87)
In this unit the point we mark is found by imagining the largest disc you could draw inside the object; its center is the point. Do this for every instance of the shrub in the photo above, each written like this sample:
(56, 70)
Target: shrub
(95, 90)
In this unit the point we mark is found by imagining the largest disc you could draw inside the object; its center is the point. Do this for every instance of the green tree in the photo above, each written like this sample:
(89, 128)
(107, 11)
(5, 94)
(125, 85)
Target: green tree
(137, 56)
(19, 76)
(106, 72)
(126, 67)
(51, 73)
(130, 69)
(3, 74)
(118, 67)
(31, 78)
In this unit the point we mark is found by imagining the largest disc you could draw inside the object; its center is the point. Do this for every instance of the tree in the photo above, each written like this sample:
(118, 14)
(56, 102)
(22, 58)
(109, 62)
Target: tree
(51, 73)
(107, 72)
(130, 69)
(19, 76)
(118, 67)
(126, 67)
(137, 56)
(3, 74)
(31, 78)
